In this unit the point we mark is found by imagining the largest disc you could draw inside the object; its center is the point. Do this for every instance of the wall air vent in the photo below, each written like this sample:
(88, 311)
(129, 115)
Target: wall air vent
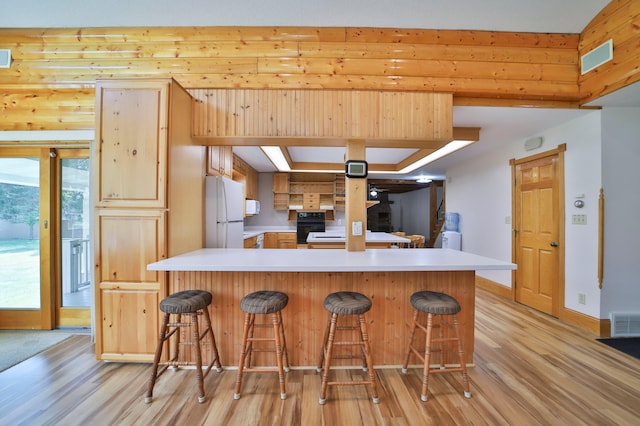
(5, 58)
(597, 56)
(625, 324)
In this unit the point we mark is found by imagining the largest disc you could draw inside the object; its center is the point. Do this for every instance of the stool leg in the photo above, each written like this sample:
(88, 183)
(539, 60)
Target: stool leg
(327, 358)
(411, 336)
(176, 343)
(196, 340)
(214, 347)
(285, 357)
(277, 334)
(156, 359)
(325, 339)
(367, 354)
(463, 363)
(427, 358)
(248, 319)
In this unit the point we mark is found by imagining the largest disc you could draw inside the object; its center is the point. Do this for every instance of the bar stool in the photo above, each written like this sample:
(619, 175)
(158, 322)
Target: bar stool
(190, 303)
(346, 303)
(263, 303)
(436, 305)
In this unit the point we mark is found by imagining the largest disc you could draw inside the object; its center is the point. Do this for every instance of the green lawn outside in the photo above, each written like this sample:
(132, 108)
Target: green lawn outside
(19, 274)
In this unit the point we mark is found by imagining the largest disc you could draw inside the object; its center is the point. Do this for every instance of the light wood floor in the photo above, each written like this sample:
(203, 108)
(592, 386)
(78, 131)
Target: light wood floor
(530, 369)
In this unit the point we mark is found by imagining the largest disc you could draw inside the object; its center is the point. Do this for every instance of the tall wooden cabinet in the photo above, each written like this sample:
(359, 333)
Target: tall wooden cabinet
(148, 197)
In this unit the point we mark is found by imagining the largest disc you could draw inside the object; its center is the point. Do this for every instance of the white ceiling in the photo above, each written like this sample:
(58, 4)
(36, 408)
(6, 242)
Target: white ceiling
(498, 125)
(558, 16)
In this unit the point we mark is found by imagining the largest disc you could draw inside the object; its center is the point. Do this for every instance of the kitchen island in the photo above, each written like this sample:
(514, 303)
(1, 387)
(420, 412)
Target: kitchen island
(337, 239)
(387, 277)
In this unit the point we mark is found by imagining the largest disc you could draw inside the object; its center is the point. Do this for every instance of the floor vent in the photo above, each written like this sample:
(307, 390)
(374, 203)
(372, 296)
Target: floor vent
(625, 324)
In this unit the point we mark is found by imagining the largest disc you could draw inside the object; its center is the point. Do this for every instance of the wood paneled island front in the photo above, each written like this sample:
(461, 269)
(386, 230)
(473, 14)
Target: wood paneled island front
(387, 277)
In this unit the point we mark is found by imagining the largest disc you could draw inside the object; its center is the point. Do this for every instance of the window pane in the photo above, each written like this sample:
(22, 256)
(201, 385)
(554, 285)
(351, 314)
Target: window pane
(76, 289)
(19, 233)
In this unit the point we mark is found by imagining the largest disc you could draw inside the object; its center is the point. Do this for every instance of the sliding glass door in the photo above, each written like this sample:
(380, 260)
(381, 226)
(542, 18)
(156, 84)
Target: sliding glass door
(25, 234)
(45, 266)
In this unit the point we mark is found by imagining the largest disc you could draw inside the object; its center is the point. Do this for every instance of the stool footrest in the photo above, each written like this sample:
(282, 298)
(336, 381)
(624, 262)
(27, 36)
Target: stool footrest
(179, 324)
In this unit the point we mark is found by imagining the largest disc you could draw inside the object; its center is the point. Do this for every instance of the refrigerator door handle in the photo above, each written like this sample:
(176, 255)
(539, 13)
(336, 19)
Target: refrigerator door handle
(224, 213)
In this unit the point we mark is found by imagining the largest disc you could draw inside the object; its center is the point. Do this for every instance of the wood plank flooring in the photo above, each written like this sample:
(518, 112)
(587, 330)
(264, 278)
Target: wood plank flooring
(529, 369)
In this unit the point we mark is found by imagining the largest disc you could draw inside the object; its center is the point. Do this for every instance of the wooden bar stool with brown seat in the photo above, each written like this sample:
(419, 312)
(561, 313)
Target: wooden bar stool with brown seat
(346, 303)
(191, 303)
(263, 303)
(437, 306)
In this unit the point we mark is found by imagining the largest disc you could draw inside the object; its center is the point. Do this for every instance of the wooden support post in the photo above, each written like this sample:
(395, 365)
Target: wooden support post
(356, 199)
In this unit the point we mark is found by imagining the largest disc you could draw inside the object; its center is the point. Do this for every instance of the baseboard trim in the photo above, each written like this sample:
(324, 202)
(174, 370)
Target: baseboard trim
(599, 327)
(494, 287)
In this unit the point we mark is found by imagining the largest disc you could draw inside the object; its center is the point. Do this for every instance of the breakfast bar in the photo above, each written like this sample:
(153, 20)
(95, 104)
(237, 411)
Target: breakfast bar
(387, 277)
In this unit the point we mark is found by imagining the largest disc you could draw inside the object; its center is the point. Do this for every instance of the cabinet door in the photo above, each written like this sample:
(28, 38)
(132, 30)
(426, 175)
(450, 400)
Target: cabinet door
(252, 185)
(281, 183)
(220, 161)
(251, 242)
(270, 240)
(131, 134)
(287, 240)
(127, 294)
(136, 339)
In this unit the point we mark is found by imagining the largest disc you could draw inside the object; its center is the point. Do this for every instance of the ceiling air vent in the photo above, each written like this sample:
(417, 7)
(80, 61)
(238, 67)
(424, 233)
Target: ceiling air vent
(5, 58)
(597, 56)
(625, 324)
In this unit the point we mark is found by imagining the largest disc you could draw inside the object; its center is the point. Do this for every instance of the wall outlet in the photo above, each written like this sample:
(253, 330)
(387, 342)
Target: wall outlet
(582, 298)
(356, 228)
(579, 219)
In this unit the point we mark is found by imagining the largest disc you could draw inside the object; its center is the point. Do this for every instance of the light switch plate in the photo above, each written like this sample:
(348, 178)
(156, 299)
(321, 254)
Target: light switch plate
(356, 228)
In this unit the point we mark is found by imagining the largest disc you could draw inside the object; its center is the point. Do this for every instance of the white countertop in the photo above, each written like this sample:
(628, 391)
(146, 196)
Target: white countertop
(370, 237)
(328, 260)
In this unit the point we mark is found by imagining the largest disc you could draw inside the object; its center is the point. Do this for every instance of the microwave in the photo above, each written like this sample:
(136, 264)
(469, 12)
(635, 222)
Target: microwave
(252, 207)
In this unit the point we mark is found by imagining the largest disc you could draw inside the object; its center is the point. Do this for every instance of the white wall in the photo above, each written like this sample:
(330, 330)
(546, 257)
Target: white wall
(620, 178)
(480, 190)
(410, 212)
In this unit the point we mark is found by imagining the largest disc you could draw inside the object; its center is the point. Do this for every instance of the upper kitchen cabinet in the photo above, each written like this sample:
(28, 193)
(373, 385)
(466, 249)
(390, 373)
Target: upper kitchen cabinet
(131, 129)
(243, 172)
(304, 192)
(220, 161)
(281, 191)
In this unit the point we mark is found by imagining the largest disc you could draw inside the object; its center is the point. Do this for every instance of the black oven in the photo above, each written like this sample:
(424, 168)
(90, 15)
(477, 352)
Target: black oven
(309, 222)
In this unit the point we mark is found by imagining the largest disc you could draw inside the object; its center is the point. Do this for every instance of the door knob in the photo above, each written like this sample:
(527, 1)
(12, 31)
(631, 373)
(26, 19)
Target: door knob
(553, 244)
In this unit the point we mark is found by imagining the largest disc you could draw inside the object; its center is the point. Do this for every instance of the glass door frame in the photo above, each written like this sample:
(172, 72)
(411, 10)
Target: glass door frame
(66, 316)
(43, 318)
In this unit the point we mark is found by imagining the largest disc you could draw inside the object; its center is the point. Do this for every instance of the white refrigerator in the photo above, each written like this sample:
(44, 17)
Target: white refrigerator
(224, 207)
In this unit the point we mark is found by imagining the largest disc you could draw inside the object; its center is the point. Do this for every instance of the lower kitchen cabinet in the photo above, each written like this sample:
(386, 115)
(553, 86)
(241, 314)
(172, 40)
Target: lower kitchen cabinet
(251, 242)
(280, 240)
